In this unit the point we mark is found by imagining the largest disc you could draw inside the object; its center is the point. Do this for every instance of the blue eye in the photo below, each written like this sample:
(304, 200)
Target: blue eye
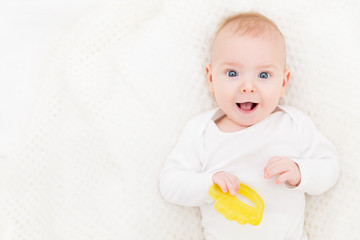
(264, 75)
(231, 73)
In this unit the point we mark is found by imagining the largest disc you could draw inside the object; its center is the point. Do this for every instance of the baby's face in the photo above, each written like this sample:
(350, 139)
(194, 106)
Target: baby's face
(247, 76)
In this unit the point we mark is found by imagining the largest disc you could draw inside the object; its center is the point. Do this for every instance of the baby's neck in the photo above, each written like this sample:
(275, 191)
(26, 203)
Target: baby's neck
(225, 124)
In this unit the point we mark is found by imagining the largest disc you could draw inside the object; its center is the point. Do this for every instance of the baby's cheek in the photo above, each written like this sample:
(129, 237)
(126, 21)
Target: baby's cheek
(271, 99)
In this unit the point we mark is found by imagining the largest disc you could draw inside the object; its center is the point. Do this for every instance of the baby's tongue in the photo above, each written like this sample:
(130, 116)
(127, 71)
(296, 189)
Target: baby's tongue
(246, 106)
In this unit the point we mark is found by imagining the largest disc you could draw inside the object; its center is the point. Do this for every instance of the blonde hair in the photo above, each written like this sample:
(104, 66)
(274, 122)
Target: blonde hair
(250, 23)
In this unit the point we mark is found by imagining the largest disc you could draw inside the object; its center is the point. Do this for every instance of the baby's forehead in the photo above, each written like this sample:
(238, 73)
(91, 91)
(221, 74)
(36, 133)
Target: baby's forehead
(228, 34)
(271, 41)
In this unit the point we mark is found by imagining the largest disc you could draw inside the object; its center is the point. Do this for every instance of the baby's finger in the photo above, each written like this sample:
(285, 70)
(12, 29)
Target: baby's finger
(237, 182)
(283, 178)
(275, 162)
(231, 186)
(222, 185)
(275, 159)
(271, 165)
(275, 170)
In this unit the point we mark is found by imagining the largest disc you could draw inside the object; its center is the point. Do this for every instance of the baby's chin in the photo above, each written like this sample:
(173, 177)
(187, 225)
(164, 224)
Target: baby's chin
(238, 124)
(249, 120)
(247, 124)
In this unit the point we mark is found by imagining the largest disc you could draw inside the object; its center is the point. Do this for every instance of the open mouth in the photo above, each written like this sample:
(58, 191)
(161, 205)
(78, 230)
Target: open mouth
(247, 106)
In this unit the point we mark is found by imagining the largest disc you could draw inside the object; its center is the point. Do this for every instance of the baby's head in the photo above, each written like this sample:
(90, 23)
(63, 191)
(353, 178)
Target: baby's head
(247, 71)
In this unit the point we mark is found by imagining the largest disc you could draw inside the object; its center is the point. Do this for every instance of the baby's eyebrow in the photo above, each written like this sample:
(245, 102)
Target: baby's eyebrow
(266, 66)
(232, 64)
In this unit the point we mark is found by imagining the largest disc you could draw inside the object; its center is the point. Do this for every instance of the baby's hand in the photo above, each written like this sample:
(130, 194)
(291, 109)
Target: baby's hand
(285, 167)
(227, 182)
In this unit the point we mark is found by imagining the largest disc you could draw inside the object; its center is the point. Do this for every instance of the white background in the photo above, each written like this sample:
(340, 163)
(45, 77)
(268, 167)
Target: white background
(27, 31)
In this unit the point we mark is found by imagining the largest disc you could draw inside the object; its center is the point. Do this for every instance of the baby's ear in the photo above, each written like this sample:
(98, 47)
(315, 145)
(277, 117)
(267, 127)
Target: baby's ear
(209, 77)
(285, 82)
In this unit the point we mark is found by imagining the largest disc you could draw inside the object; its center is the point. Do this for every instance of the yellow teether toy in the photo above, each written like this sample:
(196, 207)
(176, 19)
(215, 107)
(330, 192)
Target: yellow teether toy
(233, 209)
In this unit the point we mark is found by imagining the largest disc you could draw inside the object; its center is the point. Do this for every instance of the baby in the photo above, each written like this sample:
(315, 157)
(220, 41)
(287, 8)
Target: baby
(250, 138)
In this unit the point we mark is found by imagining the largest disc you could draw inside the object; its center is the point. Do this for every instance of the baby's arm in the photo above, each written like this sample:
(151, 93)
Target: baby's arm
(181, 179)
(316, 170)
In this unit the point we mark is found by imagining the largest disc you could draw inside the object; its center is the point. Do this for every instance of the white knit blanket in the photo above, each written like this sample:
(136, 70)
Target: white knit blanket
(119, 87)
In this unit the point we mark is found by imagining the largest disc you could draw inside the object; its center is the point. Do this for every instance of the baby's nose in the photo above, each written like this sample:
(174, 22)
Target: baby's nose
(247, 89)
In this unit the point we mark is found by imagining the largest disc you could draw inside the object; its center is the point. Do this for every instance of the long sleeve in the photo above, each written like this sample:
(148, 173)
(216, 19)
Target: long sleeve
(181, 180)
(319, 161)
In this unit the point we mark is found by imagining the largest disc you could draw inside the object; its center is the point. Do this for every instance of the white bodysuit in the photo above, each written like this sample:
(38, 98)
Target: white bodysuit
(203, 150)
